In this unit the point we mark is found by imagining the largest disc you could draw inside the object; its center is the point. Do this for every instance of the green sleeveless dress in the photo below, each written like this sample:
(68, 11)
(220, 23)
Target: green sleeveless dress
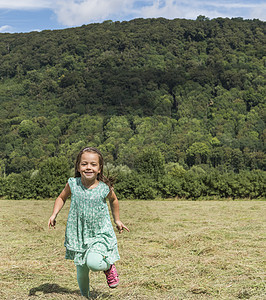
(89, 227)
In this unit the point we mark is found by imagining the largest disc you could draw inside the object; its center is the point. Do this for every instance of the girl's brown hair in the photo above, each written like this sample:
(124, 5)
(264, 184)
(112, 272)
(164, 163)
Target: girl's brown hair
(100, 176)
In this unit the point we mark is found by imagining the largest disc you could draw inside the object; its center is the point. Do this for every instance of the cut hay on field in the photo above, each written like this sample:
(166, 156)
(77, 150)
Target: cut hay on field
(175, 250)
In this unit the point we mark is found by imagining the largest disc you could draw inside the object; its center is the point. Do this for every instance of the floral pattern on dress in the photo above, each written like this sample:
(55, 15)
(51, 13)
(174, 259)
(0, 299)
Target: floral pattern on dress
(89, 227)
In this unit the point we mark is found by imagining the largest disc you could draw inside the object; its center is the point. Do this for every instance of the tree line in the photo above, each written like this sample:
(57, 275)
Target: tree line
(189, 93)
(146, 158)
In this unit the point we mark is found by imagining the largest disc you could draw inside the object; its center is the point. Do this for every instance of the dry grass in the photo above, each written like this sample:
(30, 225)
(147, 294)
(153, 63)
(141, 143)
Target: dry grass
(175, 250)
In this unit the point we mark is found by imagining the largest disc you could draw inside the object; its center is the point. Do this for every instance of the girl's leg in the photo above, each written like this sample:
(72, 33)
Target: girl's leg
(96, 262)
(83, 280)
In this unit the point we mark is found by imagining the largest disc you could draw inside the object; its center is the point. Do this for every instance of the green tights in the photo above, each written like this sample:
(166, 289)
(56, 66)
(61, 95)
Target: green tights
(94, 262)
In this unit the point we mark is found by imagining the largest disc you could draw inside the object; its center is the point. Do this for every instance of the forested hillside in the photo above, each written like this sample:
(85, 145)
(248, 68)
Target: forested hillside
(176, 106)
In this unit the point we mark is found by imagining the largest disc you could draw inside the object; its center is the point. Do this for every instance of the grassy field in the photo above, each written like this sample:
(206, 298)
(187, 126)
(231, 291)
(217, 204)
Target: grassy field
(175, 250)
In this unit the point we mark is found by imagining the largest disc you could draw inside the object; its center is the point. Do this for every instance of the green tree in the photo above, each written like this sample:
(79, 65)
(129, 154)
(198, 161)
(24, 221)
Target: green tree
(51, 177)
(197, 153)
(150, 161)
(26, 128)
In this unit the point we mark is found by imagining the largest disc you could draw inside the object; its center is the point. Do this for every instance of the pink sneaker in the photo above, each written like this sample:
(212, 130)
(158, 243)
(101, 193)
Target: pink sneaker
(112, 277)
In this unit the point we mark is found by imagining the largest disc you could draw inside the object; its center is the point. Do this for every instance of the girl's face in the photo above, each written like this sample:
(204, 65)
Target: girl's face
(89, 166)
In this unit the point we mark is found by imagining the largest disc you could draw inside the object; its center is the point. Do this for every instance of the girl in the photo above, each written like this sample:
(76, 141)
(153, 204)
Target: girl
(89, 238)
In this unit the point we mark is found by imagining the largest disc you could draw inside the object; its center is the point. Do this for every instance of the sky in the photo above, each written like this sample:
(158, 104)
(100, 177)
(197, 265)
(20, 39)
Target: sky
(38, 15)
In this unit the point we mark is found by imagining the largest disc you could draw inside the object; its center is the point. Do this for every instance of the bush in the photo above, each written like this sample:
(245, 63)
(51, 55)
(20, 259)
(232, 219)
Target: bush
(52, 177)
(53, 173)
(125, 185)
(193, 185)
(133, 185)
(19, 186)
(2, 186)
(145, 190)
(170, 186)
(175, 170)
(246, 184)
(46, 182)
(150, 162)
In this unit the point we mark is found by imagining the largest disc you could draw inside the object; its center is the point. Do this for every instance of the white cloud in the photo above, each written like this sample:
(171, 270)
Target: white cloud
(5, 28)
(168, 8)
(78, 12)
(26, 4)
(258, 13)
(223, 8)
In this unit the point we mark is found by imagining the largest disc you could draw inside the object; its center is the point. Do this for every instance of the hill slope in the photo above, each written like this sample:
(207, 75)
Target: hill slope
(195, 90)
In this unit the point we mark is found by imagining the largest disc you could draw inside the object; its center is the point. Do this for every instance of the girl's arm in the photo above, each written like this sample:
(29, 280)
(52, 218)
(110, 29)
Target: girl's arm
(115, 211)
(59, 203)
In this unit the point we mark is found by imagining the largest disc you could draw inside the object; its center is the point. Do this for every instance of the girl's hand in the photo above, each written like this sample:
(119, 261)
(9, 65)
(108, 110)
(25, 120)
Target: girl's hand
(120, 226)
(52, 222)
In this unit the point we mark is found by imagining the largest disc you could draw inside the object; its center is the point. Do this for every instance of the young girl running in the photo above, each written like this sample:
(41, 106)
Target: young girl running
(89, 238)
